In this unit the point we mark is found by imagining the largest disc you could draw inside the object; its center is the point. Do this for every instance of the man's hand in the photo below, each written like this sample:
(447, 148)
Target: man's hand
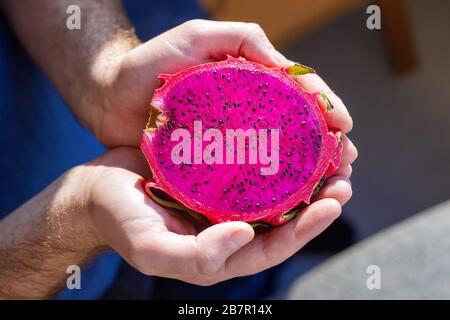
(108, 77)
(163, 243)
(128, 87)
(108, 81)
(103, 204)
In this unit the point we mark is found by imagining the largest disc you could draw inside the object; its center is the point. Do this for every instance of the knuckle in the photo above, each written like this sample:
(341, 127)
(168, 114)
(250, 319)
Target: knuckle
(346, 193)
(255, 33)
(349, 170)
(206, 264)
(254, 28)
(349, 123)
(355, 155)
(136, 255)
(337, 98)
(195, 25)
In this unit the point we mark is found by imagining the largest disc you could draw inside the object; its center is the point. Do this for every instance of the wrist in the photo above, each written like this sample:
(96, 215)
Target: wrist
(99, 90)
(69, 215)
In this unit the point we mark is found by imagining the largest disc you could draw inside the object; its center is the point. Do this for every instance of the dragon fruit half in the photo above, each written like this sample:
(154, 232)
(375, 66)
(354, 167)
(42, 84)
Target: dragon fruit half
(235, 140)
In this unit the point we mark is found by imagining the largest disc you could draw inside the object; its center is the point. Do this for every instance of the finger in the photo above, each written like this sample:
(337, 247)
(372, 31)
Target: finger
(217, 243)
(195, 42)
(337, 118)
(248, 40)
(177, 255)
(280, 243)
(336, 187)
(344, 170)
(349, 151)
(131, 159)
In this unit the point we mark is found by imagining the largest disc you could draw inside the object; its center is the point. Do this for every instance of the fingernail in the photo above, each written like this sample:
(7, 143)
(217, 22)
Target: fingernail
(279, 57)
(238, 239)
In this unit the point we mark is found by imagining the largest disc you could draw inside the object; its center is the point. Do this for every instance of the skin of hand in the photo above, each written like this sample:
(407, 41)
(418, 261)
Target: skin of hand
(104, 204)
(159, 242)
(127, 88)
(148, 236)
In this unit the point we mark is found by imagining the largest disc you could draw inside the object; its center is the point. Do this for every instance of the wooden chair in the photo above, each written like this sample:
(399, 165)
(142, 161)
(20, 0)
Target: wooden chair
(288, 20)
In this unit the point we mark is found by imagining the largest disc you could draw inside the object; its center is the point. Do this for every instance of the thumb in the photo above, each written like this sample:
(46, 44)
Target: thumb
(218, 242)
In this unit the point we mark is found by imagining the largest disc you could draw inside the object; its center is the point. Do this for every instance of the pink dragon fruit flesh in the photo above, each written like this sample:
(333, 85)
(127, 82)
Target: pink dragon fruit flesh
(235, 140)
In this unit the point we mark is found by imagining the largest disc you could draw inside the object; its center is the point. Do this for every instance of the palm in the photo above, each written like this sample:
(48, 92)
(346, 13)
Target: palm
(156, 241)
